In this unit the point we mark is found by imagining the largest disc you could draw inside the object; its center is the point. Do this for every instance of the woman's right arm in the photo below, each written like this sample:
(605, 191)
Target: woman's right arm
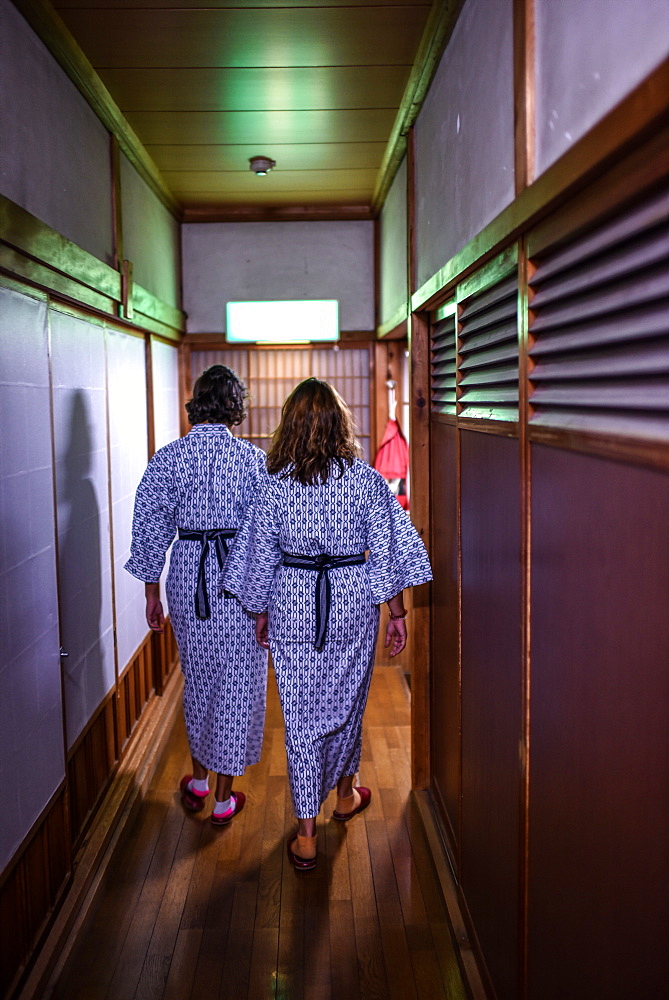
(262, 637)
(396, 629)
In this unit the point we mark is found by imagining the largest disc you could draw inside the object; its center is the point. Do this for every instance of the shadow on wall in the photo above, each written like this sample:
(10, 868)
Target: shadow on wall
(79, 572)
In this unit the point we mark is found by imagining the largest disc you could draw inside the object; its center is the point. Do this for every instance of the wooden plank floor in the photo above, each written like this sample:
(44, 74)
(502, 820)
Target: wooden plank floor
(190, 912)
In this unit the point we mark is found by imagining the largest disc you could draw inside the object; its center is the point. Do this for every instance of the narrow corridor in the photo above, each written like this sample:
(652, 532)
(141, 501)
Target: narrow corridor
(189, 911)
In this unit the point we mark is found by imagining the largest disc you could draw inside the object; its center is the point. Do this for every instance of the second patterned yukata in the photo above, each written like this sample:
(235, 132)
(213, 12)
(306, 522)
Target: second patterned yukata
(203, 482)
(324, 692)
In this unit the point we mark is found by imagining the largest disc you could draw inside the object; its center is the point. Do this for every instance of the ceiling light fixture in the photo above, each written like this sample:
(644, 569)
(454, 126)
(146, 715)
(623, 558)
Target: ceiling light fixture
(261, 165)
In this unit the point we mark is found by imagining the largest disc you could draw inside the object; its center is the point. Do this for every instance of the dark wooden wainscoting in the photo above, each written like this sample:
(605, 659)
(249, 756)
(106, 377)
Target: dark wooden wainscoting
(90, 766)
(599, 771)
(549, 533)
(445, 687)
(31, 888)
(36, 880)
(490, 693)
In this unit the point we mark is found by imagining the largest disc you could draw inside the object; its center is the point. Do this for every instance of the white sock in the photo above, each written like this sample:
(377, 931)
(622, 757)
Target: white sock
(196, 785)
(222, 807)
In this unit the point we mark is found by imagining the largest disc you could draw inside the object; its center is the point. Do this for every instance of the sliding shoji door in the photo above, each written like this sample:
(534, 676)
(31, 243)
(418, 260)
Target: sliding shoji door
(271, 374)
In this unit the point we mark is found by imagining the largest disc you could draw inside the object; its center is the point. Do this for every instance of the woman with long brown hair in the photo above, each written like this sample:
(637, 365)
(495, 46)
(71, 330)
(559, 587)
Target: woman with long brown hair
(299, 562)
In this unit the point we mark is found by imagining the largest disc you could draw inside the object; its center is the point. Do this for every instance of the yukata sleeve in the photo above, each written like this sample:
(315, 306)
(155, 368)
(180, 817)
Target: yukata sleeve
(397, 556)
(254, 555)
(154, 518)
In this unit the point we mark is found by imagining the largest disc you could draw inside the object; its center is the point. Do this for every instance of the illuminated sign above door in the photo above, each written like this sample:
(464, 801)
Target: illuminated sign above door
(292, 322)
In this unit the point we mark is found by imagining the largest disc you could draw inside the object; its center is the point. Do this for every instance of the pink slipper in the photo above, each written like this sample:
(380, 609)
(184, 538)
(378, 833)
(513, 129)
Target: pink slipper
(365, 799)
(238, 800)
(192, 801)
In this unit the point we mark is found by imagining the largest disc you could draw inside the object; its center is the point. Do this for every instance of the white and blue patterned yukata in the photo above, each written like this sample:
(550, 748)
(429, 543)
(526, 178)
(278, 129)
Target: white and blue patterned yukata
(202, 482)
(324, 693)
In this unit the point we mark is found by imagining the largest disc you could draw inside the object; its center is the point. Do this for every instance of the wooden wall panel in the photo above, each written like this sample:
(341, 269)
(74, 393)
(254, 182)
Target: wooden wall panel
(491, 697)
(89, 768)
(445, 671)
(136, 688)
(599, 770)
(30, 889)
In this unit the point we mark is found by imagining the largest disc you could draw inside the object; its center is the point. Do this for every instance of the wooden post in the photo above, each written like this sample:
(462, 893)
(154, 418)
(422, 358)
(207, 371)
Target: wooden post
(419, 418)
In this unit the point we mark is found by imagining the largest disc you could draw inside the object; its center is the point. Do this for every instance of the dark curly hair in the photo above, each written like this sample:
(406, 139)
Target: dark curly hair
(316, 430)
(219, 397)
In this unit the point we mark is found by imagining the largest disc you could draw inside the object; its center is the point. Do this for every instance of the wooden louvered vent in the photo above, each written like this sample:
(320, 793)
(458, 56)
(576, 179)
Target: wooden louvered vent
(488, 352)
(601, 322)
(444, 363)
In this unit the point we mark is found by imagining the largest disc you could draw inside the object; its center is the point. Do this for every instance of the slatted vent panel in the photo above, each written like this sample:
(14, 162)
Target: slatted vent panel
(601, 309)
(443, 365)
(489, 352)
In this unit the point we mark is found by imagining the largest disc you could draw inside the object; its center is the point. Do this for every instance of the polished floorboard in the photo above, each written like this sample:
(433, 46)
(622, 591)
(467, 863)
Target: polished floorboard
(190, 912)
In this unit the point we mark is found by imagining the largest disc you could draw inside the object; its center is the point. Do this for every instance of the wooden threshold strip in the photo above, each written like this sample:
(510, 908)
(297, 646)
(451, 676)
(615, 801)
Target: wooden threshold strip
(461, 939)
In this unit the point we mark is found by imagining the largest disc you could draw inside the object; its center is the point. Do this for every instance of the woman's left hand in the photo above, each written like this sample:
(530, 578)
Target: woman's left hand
(396, 636)
(261, 630)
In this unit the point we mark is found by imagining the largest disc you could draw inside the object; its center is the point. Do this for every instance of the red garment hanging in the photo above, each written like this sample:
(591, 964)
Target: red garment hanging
(392, 461)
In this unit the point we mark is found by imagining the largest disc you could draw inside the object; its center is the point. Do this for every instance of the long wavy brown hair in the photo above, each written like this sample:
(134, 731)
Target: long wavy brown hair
(315, 432)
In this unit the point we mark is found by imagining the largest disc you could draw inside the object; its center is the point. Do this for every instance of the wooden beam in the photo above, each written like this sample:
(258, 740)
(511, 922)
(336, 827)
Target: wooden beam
(525, 367)
(380, 394)
(419, 422)
(185, 384)
(283, 213)
(524, 90)
(33, 251)
(438, 30)
(411, 213)
(28, 234)
(116, 202)
(396, 327)
(51, 29)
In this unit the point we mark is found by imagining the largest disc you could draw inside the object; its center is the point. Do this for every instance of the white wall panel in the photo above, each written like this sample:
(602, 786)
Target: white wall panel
(128, 449)
(464, 136)
(31, 723)
(394, 246)
(55, 151)
(150, 237)
(240, 261)
(165, 365)
(82, 482)
(590, 53)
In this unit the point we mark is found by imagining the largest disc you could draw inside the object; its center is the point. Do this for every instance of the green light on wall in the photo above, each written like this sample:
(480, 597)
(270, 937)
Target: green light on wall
(295, 322)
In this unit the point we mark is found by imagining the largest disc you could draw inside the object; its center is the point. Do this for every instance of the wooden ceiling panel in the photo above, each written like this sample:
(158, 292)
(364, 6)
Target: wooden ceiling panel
(328, 36)
(314, 85)
(257, 88)
(262, 128)
(307, 156)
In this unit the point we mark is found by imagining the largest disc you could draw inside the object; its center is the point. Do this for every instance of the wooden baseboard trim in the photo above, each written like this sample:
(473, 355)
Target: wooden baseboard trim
(117, 811)
(464, 950)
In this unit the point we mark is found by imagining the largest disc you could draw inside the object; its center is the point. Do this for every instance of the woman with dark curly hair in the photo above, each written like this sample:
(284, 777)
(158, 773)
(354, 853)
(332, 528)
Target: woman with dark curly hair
(199, 489)
(299, 562)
